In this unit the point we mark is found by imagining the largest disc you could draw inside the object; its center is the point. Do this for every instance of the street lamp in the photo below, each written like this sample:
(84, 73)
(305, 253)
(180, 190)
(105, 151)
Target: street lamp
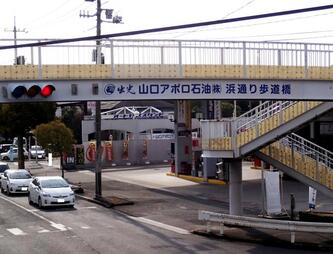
(116, 20)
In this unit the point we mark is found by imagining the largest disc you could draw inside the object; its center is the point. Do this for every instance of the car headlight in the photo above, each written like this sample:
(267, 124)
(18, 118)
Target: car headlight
(71, 194)
(46, 195)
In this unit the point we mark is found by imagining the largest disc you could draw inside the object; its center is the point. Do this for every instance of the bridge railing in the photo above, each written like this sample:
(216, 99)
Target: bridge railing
(178, 53)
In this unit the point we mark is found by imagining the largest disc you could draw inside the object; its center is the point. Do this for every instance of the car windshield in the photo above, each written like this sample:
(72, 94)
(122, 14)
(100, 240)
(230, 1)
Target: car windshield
(3, 168)
(54, 183)
(19, 175)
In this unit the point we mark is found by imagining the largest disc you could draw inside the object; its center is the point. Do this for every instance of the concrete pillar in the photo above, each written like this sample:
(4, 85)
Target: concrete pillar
(183, 135)
(211, 110)
(312, 130)
(235, 187)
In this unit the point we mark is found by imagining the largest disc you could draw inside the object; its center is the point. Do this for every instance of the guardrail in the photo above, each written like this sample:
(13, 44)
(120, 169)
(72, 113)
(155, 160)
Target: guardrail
(251, 222)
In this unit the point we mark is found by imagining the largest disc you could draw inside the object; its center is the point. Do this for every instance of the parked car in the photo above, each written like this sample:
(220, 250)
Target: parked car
(15, 181)
(5, 147)
(37, 150)
(50, 191)
(3, 167)
(13, 151)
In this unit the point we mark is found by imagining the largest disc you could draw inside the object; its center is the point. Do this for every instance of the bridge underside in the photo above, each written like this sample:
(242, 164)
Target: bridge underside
(127, 71)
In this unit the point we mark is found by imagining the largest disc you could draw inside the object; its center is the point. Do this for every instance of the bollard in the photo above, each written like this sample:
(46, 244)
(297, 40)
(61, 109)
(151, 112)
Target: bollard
(50, 159)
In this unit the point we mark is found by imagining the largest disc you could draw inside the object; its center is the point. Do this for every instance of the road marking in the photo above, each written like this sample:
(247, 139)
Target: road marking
(32, 212)
(161, 225)
(16, 231)
(85, 227)
(88, 207)
(61, 227)
(43, 231)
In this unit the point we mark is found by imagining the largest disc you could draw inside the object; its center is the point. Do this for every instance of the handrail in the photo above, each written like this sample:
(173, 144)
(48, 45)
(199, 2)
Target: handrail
(260, 113)
(206, 52)
(308, 148)
(243, 221)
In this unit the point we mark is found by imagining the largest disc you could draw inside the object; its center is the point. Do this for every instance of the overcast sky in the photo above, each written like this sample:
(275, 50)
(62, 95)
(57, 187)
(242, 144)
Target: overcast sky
(60, 19)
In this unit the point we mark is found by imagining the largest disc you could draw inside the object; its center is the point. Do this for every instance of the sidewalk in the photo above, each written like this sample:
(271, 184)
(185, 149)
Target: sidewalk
(149, 192)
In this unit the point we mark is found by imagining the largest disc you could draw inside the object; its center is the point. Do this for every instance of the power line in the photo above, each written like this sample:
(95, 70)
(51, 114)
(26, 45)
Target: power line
(227, 15)
(281, 34)
(258, 24)
(168, 28)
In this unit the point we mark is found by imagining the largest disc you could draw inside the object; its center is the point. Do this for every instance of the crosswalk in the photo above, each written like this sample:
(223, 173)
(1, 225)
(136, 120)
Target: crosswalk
(38, 229)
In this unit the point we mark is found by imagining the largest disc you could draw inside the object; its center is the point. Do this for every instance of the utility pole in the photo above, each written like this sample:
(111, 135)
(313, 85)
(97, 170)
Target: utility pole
(98, 163)
(98, 171)
(15, 31)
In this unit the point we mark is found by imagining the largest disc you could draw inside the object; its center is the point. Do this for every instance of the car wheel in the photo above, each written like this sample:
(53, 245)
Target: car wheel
(8, 192)
(40, 204)
(29, 199)
(5, 158)
(2, 190)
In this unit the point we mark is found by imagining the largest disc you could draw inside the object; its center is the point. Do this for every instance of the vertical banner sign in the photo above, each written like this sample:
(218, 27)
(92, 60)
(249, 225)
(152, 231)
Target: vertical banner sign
(108, 150)
(145, 149)
(210, 109)
(91, 151)
(125, 150)
(91, 107)
(79, 154)
(188, 115)
(312, 197)
(217, 109)
(181, 111)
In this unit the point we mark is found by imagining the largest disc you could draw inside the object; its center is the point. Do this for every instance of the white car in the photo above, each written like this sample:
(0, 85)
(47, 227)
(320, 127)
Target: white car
(50, 191)
(37, 150)
(15, 181)
(13, 153)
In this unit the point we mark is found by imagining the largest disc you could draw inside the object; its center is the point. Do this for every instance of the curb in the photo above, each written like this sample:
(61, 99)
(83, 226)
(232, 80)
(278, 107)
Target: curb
(197, 179)
(96, 201)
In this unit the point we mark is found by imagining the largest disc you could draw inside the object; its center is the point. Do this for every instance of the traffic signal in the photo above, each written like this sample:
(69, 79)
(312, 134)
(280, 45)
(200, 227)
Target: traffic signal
(31, 90)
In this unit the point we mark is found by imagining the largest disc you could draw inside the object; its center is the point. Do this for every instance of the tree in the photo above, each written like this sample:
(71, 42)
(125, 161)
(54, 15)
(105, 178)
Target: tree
(18, 119)
(72, 117)
(56, 137)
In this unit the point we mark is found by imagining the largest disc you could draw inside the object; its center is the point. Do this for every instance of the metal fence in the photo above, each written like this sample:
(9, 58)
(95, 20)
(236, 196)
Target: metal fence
(177, 52)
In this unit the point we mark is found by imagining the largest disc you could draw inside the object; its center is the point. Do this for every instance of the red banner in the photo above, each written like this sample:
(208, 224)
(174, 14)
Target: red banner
(108, 150)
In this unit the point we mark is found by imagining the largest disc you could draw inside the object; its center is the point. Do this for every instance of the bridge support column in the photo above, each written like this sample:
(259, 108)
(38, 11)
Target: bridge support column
(183, 137)
(235, 186)
(211, 110)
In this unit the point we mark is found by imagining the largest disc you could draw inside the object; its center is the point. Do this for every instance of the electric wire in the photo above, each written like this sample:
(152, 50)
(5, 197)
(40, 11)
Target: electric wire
(227, 15)
(168, 28)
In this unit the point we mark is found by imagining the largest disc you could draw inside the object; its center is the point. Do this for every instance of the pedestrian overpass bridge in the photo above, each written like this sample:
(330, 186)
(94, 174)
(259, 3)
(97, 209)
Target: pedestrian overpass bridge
(285, 75)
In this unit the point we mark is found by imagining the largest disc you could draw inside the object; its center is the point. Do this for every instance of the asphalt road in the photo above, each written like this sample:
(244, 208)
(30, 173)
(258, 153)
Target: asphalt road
(159, 223)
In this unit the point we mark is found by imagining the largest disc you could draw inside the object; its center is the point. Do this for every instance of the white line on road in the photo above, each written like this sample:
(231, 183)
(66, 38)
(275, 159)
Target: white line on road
(29, 211)
(161, 225)
(59, 226)
(44, 231)
(16, 231)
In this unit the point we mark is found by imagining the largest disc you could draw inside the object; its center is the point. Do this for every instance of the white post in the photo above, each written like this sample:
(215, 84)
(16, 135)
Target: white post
(50, 159)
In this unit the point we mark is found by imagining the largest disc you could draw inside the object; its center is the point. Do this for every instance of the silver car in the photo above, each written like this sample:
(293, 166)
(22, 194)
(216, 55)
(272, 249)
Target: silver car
(15, 181)
(50, 191)
(3, 167)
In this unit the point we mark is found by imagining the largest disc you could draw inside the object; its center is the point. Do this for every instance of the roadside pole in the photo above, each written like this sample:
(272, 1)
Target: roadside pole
(98, 171)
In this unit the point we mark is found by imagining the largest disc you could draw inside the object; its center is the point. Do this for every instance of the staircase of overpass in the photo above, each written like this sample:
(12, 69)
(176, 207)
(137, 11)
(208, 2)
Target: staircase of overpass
(264, 131)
